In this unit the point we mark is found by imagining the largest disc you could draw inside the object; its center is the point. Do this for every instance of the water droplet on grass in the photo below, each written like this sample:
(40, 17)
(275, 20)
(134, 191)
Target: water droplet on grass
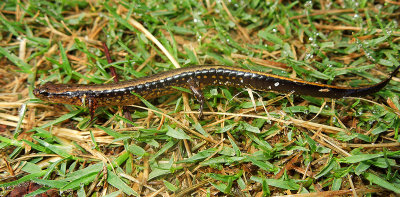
(308, 4)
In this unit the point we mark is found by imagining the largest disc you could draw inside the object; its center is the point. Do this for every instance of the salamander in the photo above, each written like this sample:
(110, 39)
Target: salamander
(193, 78)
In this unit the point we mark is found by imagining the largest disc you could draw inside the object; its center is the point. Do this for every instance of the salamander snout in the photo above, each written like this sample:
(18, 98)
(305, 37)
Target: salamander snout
(40, 92)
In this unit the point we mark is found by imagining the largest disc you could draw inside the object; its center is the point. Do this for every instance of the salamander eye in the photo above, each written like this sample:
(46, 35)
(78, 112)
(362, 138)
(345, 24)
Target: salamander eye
(44, 92)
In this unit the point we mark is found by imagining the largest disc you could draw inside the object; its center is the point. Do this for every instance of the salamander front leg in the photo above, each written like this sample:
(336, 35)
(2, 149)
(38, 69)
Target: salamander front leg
(194, 85)
(92, 104)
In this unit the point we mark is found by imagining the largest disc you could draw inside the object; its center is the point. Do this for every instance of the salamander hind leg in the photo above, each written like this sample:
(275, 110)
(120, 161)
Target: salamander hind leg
(194, 86)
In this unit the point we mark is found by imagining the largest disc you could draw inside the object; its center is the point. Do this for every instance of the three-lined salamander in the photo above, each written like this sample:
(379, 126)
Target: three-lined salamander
(193, 78)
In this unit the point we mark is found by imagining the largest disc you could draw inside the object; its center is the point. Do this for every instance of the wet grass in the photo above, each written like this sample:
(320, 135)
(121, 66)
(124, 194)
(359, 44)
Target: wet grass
(288, 145)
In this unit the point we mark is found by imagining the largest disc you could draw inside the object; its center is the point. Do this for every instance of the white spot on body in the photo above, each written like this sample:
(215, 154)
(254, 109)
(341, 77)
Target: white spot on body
(324, 90)
(276, 84)
(122, 90)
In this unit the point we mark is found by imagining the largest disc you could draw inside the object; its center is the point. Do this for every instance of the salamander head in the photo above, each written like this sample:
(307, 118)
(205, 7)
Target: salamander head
(56, 93)
(44, 92)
